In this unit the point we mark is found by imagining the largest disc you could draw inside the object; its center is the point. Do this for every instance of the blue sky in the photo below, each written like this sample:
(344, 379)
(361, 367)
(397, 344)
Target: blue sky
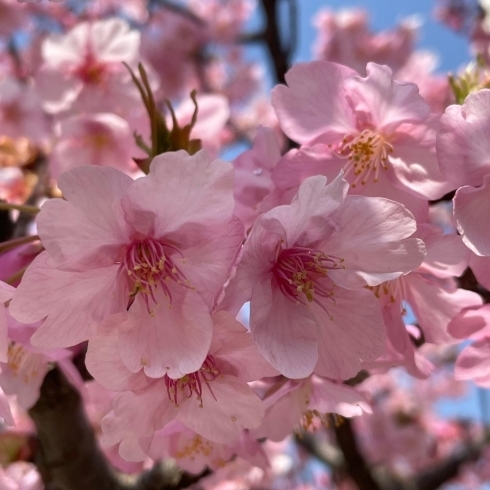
(452, 48)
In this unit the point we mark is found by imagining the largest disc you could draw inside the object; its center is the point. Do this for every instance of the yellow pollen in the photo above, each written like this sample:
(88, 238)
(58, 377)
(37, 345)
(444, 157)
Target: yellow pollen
(197, 445)
(367, 153)
(24, 364)
(312, 420)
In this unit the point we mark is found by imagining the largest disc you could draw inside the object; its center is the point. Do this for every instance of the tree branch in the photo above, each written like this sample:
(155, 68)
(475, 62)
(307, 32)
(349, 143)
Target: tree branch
(355, 464)
(279, 53)
(68, 455)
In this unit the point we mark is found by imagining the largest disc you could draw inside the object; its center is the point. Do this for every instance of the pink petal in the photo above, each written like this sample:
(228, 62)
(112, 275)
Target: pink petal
(434, 307)
(463, 140)
(384, 102)
(328, 397)
(104, 362)
(474, 362)
(69, 48)
(470, 212)
(313, 103)
(57, 90)
(73, 303)
(415, 163)
(446, 256)
(174, 341)
(285, 332)
(311, 216)
(138, 414)
(351, 332)
(299, 164)
(181, 192)
(88, 229)
(286, 410)
(258, 254)
(114, 41)
(471, 322)
(235, 352)
(228, 407)
(372, 239)
(208, 265)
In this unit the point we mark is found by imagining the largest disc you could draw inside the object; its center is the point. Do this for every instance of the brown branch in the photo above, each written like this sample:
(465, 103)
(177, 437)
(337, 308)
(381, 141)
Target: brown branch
(68, 455)
(447, 469)
(355, 464)
(325, 453)
(280, 52)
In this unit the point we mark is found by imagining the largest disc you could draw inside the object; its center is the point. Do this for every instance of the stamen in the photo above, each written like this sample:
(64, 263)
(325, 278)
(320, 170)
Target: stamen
(192, 384)
(301, 274)
(149, 264)
(25, 365)
(312, 420)
(391, 292)
(366, 153)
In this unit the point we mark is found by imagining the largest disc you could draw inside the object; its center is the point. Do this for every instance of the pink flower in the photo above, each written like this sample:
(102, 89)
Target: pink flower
(297, 262)
(23, 372)
(170, 32)
(20, 476)
(344, 37)
(377, 129)
(21, 114)
(304, 404)
(224, 20)
(194, 452)
(94, 139)
(214, 401)
(83, 69)
(432, 293)
(463, 146)
(162, 245)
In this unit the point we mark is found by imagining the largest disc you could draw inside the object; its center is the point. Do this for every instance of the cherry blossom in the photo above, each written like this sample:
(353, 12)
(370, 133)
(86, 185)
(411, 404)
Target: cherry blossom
(94, 139)
(121, 245)
(296, 264)
(205, 401)
(462, 149)
(377, 129)
(83, 68)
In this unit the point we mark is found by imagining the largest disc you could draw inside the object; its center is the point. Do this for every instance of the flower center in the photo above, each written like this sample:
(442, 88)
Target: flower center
(301, 274)
(192, 384)
(91, 71)
(367, 153)
(313, 420)
(149, 264)
(25, 365)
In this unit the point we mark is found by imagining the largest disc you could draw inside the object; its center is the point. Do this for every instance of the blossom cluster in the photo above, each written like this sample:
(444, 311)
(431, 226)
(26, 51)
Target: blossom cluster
(220, 304)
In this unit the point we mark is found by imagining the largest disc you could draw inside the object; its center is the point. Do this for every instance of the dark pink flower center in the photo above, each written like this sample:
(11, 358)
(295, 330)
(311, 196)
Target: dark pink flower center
(367, 153)
(149, 265)
(92, 71)
(193, 384)
(301, 273)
